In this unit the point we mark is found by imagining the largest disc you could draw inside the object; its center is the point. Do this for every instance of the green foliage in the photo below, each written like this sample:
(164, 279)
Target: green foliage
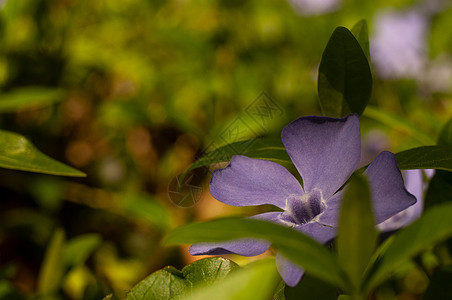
(52, 266)
(357, 236)
(29, 97)
(171, 283)
(257, 280)
(433, 227)
(18, 153)
(427, 157)
(345, 81)
(361, 33)
(299, 248)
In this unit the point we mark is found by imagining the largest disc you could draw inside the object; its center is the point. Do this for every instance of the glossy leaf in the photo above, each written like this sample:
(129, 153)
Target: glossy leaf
(299, 248)
(18, 153)
(345, 80)
(426, 157)
(52, 266)
(434, 226)
(361, 33)
(170, 282)
(29, 97)
(256, 281)
(357, 236)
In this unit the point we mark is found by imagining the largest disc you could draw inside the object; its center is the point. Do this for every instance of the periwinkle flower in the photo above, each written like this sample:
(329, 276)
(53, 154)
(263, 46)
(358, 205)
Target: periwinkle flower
(325, 152)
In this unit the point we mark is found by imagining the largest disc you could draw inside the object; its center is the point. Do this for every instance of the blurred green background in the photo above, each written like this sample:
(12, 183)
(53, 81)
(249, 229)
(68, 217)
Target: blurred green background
(136, 90)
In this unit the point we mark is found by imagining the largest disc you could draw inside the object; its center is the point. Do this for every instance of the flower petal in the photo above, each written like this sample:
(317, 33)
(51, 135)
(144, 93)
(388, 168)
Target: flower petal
(245, 247)
(325, 150)
(290, 272)
(389, 195)
(247, 181)
(415, 185)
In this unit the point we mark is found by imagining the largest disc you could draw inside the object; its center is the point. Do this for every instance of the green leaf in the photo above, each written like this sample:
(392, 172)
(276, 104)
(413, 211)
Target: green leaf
(426, 157)
(439, 285)
(170, 282)
(256, 281)
(357, 236)
(400, 124)
(313, 289)
(29, 97)
(263, 148)
(18, 153)
(78, 249)
(144, 207)
(440, 186)
(52, 267)
(345, 80)
(297, 247)
(361, 33)
(434, 226)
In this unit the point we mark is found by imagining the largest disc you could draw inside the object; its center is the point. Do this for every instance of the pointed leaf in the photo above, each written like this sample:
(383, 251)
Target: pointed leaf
(299, 248)
(361, 33)
(426, 157)
(18, 153)
(52, 266)
(357, 236)
(345, 80)
(434, 226)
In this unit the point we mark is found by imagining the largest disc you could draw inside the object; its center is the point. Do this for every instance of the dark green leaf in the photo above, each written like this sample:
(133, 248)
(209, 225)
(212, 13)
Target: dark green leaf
(434, 226)
(345, 80)
(170, 282)
(439, 287)
(426, 157)
(299, 248)
(52, 267)
(18, 153)
(357, 236)
(440, 186)
(311, 288)
(361, 33)
(256, 281)
(29, 97)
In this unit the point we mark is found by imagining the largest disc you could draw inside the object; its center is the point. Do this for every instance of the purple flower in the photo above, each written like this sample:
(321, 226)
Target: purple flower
(325, 152)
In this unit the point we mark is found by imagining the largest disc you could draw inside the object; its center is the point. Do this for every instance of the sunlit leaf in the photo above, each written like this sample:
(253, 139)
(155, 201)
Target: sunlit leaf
(18, 153)
(29, 97)
(434, 226)
(299, 248)
(170, 282)
(345, 80)
(357, 236)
